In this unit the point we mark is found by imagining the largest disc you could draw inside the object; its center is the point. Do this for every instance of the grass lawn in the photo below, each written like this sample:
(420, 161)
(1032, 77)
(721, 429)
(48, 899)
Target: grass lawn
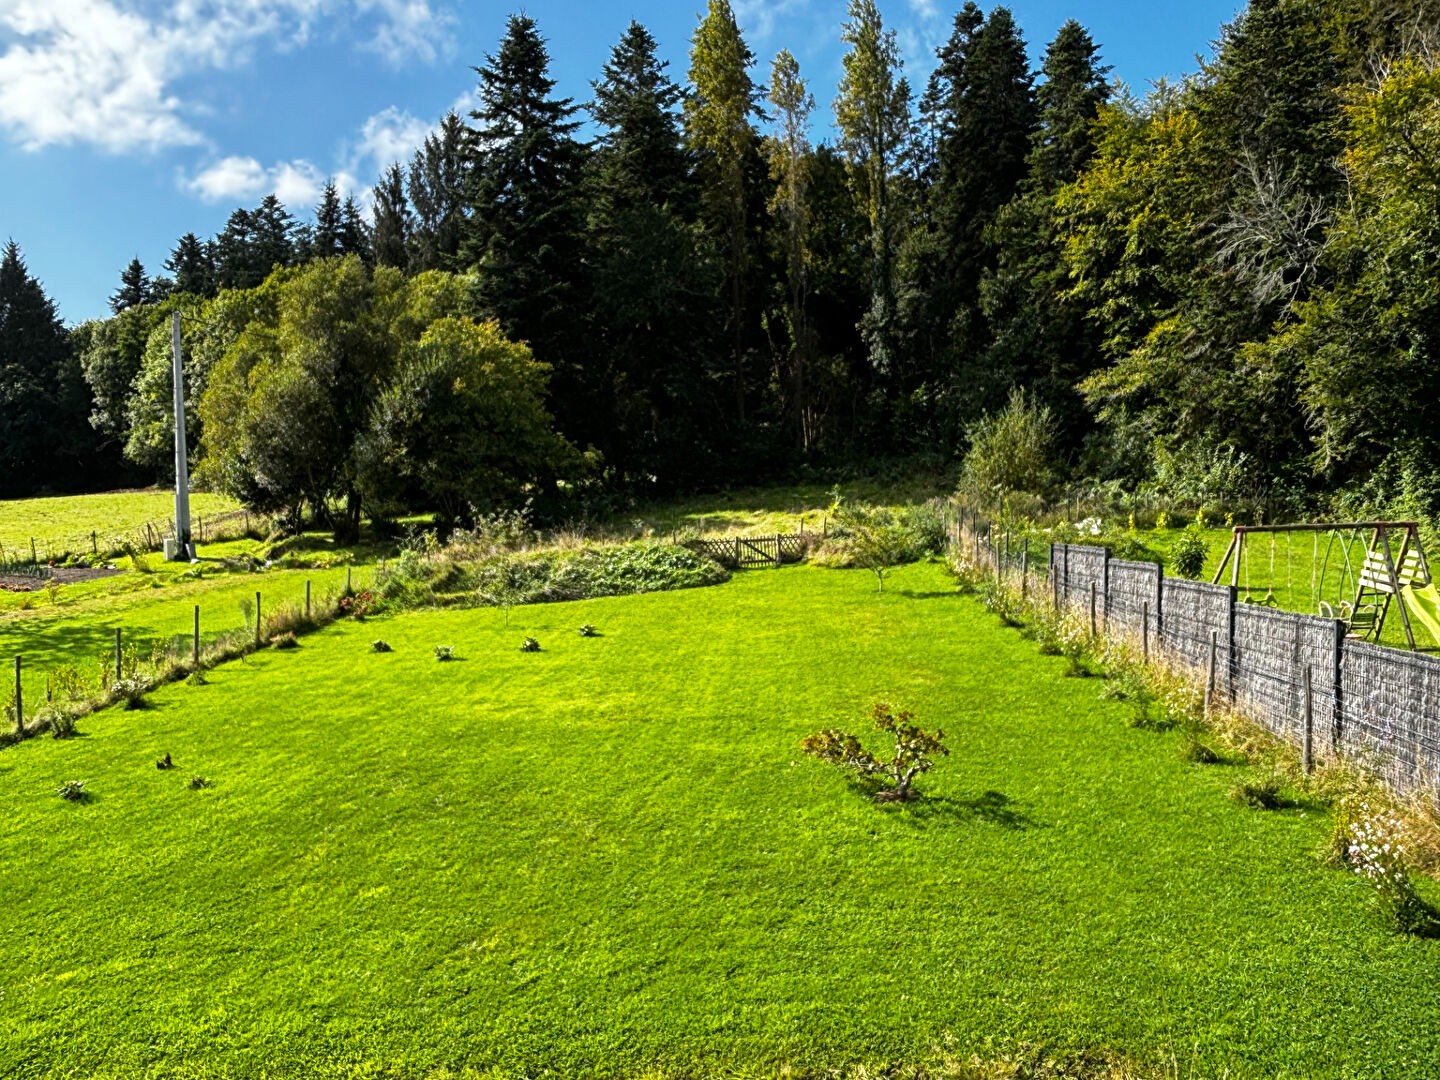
(68, 517)
(610, 859)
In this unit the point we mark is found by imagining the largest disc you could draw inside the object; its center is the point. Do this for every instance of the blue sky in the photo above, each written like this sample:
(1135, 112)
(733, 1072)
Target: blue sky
(126, 123)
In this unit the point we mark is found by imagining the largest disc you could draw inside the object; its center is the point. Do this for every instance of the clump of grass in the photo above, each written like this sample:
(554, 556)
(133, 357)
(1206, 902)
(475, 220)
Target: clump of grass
(381, 645)
(587, 630)
(530, 645)
(73, 791)
(131, 692)
(287, 640)
(444, 653)
(164, 762)
(1260, 793)
(196, 678)
(198, 782)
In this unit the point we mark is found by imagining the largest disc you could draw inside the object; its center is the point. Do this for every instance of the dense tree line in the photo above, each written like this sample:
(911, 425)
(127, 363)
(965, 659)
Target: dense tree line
(1222, 291)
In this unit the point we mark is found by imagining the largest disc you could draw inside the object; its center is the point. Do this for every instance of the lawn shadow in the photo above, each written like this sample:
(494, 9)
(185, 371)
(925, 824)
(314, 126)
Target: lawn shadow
(931, 594)
(990, 808)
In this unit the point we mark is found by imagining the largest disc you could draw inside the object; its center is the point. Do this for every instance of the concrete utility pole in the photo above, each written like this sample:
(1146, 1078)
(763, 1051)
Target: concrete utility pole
(180, 549)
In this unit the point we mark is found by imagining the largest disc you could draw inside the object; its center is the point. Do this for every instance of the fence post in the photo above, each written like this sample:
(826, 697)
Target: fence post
(1094, 629)
(19, 700)
(1337, 720)
(257, 617)
(117, 654)
(1230, 657)
(1210, 672)
(307, 598)
(94, 544)
(1160, 607)
(195, 643)
(1105, 588)
(1024, 576)
(1307, 748)
(1145, 631)
(33, 557)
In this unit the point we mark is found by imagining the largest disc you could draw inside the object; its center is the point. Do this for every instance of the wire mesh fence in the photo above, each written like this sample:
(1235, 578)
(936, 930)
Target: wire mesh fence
(69, 659)
(148, 536)
(1285, 670)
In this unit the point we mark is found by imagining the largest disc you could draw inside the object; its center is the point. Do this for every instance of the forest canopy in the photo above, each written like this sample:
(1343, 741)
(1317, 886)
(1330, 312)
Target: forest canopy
(1222, 293)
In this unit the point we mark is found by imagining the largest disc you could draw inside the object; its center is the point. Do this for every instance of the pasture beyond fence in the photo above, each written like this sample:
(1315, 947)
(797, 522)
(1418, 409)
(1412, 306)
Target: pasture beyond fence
(145, 537)
(1291, 673)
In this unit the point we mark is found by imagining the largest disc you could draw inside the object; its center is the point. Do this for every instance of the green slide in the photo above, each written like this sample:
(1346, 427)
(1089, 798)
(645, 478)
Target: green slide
(1424, 604)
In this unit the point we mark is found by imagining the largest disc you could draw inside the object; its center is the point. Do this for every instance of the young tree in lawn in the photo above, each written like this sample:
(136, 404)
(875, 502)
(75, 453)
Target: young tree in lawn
(718, 115)
(789, 153)
(915, 751)
(873, 114)
(875, 538)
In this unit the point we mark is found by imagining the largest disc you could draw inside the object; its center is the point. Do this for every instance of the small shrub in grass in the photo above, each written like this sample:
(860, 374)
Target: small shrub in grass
(1129, 684)
(196, 678)
(444, 653)
(1260, 793)
(164, 762)
(587, 630)
(914, 752)
(1369, 837)
(1187, 553)
(530, 645)
(60, 722)
(73, 791)
(357, 606)
(198, 782)
(131, 692)
(286, 640)
(1194, 748)
(380, 645)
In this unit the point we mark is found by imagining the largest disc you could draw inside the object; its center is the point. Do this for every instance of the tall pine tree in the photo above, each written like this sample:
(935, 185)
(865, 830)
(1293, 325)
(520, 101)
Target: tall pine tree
(525, 216)
(437, 180)
(134, 288)
(392, 224)
(718, 115)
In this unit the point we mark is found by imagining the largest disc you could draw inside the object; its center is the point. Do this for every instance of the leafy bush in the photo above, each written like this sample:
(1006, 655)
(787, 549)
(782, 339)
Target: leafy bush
(196, 678)
(587, 630)
(444, 653)
(131, 691)
(380, 645)
(530, 645)
(914, 752)
(548, 576)
(357, 605)
(164, 762)
(73, 791)
(1188, 552)
(1012, 451)
(286, 640)
(59, 722)
(198, 782)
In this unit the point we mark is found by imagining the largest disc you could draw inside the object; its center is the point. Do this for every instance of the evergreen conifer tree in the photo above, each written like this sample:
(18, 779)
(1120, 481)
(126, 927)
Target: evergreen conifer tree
(437, 183)
(190, 266)
(525, 215)
(134, 288)
(391, 221)
(718, 116)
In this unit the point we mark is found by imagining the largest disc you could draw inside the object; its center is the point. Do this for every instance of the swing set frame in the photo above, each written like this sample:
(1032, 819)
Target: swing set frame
(1383, 573)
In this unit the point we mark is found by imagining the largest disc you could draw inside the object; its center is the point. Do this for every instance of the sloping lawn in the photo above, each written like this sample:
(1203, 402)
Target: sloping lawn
(609, 858)
(49, 521)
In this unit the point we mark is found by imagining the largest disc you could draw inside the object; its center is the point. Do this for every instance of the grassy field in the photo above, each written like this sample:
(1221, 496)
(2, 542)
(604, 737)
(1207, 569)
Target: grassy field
(610, 859)
(51, 520)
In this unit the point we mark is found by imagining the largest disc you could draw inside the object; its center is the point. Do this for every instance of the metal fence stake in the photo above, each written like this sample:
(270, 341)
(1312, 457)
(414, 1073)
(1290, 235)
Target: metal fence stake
(1307, 748)
(118, 655)
(1210, 674)
(195, 644)
(19, 700)
(1145, 630)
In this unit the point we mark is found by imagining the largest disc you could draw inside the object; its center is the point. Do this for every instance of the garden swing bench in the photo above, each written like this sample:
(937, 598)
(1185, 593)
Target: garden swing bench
(1384, 575)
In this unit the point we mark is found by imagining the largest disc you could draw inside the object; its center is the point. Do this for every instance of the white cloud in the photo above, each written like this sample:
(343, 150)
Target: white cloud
(388, 136)
(229, 178)
(105, 72)
(758, 17)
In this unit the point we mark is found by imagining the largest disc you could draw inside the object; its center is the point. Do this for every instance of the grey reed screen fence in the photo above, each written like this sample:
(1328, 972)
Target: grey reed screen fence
(1367, 701)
